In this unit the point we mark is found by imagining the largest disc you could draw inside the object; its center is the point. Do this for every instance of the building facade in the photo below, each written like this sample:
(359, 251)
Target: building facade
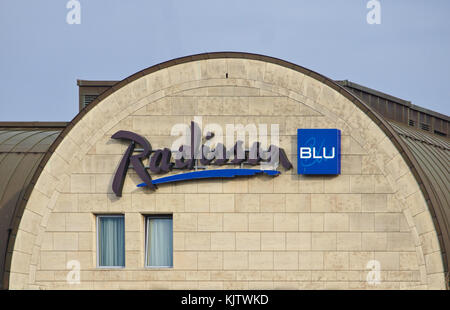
(382, 222)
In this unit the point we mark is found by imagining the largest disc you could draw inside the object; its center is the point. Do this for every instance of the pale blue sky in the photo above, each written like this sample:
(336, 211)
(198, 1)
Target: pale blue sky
(41, 56)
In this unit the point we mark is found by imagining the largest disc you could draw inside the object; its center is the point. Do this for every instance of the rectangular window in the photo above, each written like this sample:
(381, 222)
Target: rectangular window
(111, 241)
(159, 241)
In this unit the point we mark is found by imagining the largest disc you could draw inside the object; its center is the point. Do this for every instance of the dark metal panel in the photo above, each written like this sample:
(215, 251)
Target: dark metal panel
(21, 151)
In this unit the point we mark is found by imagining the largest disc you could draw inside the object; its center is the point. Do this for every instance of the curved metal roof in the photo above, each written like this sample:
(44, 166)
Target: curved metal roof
(21, 151)
(433, 155)
(431, 185)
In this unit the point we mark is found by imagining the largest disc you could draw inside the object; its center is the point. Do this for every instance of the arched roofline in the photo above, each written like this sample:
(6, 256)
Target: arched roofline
(423, 182)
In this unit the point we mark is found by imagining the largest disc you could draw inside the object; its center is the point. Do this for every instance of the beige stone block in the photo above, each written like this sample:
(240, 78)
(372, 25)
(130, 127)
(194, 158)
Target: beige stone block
(310, 260)
(176, 203)
(362, 184)
(197, 203)
(429, 242)
(323, 202)
(285, 222)
(362, 222)
(210, 186)
(235, 260)
(336, 222)
(348, 241)
(382, 184)
(348, 275)
(298, 202)
(336, 260)
(433, 263)
(178, 241)
(408, 261)
(260, 106)
(310, 222)
(388, 260)
(285, 184)
(209, 222)
(85, 241)
(285, 260)
(311, 184)
(225, 241)
(387, 222)
(185, 260)
(374, 241)
(339, 184)
(144, 202)
(374, 202)
(210, 105)
(53, 260)
(223, 275)
(197, 241)
(347, 203)
(260, 222)
(248, 241)
(63, 241)
(185, 222)
(351, 164)
(359, 260)
(235, 185)
(79, 222)
(400, 241)
(261, 260)
(324, 241)
(298, 241)
(210, 260)
(119, 204)
(397, 167)
(261, 184)
(38, 202)
(56, 222)
(272, 203)
(82, 183)
(235, 222)
(273, 241)
(66, 203)
(247, 202)
(221, 203)
(46, 245)
(92, 202)
(423, 222)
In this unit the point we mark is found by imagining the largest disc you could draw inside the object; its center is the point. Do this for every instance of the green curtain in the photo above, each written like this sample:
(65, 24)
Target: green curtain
(159, 242)
(111, 241)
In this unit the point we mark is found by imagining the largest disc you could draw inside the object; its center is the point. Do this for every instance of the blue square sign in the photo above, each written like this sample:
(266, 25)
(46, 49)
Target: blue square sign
(318, 151)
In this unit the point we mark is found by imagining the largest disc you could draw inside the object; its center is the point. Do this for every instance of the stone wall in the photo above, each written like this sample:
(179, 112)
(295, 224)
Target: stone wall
(288, 232)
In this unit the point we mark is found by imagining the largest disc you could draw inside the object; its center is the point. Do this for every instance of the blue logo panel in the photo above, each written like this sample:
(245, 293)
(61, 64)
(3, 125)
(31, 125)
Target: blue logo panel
(318, 151)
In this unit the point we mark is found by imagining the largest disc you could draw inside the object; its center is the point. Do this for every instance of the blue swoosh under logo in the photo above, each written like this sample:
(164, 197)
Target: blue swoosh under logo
(216, 173)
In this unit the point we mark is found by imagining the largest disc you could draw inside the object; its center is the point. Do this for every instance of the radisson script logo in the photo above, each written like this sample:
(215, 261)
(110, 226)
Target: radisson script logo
(197, 156)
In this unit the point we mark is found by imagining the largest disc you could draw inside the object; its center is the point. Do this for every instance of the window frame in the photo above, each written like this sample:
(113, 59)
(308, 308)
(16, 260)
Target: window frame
(98, 216)
(147, 218)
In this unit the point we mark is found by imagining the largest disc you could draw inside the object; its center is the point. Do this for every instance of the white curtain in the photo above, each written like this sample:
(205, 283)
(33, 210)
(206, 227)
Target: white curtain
(159, 242)
(111, 241)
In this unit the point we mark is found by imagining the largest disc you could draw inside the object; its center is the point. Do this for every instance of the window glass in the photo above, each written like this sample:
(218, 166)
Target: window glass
(111, 241)
(159, 241)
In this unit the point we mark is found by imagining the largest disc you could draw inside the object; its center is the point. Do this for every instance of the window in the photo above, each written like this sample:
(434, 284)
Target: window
(159, 241)
(110, 241)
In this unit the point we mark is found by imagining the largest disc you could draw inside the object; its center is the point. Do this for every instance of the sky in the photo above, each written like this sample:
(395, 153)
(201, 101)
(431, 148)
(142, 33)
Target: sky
(407, 55)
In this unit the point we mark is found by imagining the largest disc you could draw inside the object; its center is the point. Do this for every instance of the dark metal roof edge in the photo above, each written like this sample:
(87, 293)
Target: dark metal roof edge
(383, 124)
(95, 83)
(33, 125)
(391, 98)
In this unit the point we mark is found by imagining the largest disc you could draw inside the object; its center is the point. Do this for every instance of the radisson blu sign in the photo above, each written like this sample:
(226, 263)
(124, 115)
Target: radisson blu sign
(319, 151)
